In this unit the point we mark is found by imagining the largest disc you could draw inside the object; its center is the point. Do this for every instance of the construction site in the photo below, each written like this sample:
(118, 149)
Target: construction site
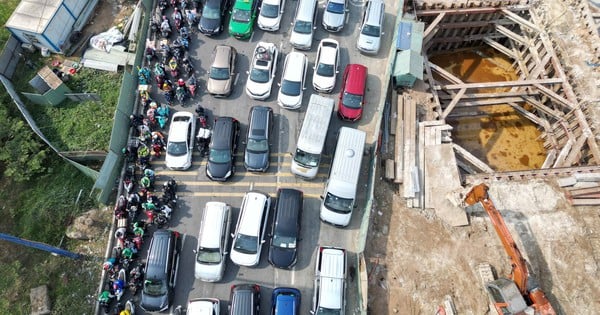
(509, 99)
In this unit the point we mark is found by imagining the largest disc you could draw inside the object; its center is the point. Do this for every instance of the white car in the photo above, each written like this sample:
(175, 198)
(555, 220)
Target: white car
(212, 242)
(181, 141)
(335, 14)
(269, 17)
(204, 306)
(250, 229)
(326, 65)
(371, 28)
(262, 71)
(292, 81)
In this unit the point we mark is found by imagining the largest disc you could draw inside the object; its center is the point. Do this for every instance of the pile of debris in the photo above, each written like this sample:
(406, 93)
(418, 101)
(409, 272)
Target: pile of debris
(582, 189)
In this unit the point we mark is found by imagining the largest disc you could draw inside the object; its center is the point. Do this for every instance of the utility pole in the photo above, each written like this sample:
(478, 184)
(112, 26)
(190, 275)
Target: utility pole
(38, 245)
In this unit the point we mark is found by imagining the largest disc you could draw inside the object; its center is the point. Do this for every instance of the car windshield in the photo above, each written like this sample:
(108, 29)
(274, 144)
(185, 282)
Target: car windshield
(269, 10)
(327, 311)
(257, 146)
(335, 7)
(290, 88)
(325, 70)
(246, 244)
(370, 30)
(208, 256)
(352, 100)
(155, 287)
(211, 13)
(284, 241)
(219, 73)
(303, 27)
(307, 159)
(177, 148)
(259, 75)
(219, 156)
(337, 204)
(242, 16)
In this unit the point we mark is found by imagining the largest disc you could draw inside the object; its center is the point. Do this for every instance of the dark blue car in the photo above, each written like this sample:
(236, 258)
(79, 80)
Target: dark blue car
(212, 17)
(285, 301)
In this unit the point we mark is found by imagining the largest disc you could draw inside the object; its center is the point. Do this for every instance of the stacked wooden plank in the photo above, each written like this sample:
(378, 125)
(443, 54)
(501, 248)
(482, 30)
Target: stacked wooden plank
(582, 189)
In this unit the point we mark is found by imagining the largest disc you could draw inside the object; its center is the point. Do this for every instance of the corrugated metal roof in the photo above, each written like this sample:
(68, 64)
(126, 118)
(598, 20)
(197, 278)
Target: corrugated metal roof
(33, 15)
(409, 62)
(410, 35)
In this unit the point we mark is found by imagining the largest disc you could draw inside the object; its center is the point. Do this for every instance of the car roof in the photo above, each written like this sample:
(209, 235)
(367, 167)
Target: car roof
(273, 2)
(259, 120)
(356, 79)
(222, 55)
(264, 61)
(294, 70)
(178, 131)
(243, 4)
(223, 131)
(289, 207)
(328, 51)
(212, 224)
(251, 216)
(202, 306)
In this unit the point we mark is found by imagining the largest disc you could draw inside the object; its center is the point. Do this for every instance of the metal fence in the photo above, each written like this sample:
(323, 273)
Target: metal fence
(9, 58)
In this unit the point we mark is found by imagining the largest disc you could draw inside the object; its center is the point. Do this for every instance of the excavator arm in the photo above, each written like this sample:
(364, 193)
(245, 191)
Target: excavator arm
(519, 274)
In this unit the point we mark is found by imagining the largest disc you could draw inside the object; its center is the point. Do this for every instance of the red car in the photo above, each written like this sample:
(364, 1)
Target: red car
(352, 96)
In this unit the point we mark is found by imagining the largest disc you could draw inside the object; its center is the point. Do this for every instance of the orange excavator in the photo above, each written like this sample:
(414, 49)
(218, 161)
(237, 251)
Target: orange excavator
(519, 293)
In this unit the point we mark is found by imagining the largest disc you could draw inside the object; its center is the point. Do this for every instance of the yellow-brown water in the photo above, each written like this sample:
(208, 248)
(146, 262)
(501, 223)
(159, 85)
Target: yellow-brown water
(504, 139)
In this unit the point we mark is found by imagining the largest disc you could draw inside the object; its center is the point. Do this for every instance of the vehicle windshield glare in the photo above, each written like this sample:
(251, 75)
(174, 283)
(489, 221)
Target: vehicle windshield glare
(259, 75)
(246, 244)
(210, 13)
(257, 146)
(269, 10)
(290, 88)
(208, 256)
(242, 16)
(307, 159)
(337, 204)
(335, 7)
(219, 73)
(303, 27)
(284, 241)
(219, 156)
(325, 70)
(177, 148)
(371, 30)
(352, 100)
(155, 287)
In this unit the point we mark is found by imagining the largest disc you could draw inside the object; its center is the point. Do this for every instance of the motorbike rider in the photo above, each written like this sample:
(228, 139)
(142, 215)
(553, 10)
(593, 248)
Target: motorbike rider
(118, 286)
(149, 206)
(104, 297)
(150, 174)
(176, 14)
(165, 26)
(127, 252)
(137, 229)
(145, 182)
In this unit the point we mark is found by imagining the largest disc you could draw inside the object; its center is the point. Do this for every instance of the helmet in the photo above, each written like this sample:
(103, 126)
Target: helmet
(164, 17)
(176, 10)
(180, 81)
(165, 85)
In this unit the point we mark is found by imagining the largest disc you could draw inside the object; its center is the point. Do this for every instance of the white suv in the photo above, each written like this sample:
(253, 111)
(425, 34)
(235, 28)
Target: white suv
(181, 141)
(292, 86)
(250, 229)
(330, 281)
(369, 38)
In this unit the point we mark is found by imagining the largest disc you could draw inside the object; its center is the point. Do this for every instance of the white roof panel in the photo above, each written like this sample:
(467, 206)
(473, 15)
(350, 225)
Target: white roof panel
(33, 15)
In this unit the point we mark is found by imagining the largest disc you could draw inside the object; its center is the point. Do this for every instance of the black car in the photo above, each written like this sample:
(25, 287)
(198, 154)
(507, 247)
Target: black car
(221, 156)
(256, 155)
(286, 228)
(212, 17)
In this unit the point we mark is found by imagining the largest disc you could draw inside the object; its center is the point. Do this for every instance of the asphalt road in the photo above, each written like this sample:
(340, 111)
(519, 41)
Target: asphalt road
(195, 189)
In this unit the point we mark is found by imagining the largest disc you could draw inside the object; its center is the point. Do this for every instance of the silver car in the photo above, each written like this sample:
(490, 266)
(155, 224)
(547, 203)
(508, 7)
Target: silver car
(326, 65)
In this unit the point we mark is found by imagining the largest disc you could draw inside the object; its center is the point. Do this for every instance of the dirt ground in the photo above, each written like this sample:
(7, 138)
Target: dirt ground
(415, 260)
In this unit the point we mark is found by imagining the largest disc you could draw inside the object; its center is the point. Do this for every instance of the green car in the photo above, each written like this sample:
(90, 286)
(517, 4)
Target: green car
(242, 18)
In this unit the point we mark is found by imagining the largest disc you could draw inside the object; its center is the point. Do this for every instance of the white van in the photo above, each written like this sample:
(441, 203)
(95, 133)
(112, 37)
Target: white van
(309, 146)
(330, 281)
(250, 229)
(212, 241)
(304, 24)
(340, 190)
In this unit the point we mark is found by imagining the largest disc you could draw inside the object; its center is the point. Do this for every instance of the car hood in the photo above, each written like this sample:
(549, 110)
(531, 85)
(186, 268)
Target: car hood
(255, 89)
(267, 22)
(302, 40)
(218, 171)
(239, 28)
(282, 257)
(323, 83)
(245, 259)
(290, 101)
(209, 273)
(350, 113)
(182, 162)
(368, 42)
(218, 86)
(333, 19)
(153, 303)
(256, 161)
(209, 25)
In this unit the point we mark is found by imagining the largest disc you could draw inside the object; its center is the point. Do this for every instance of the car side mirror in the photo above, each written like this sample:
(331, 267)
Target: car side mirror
(321, 197)
(232, 235)
(195, 251)
(337, 71)
(382, 33)
(243, 142)
(292, 23)
(278, 84)
(262, 241)
(225, 253)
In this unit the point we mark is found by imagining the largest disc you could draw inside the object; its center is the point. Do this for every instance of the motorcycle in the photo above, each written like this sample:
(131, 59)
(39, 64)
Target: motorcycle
(143, 75)
(130, 307)
(180, 94)
(150, 54)
(165, 28)
(165, 53)
(204, 132)
(163, 216)
(135, 278)
(173, 67)
(119, 284)
(132, 213)
(191, 84)
(105, 305)
(187, 66)
(163, 113)
(162, 5)
(184, 34)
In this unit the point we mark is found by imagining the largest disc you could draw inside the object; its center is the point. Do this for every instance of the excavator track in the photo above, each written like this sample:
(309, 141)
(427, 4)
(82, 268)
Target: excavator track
(531, 174)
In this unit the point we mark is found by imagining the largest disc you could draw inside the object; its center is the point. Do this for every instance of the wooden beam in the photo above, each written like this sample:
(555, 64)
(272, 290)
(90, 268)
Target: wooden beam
(521, 21)
(575, 150)
(491, 95)
(547, 110)
(490, 101)
(499, 47)
(433, 25)
(535, 119)
(472, 159)
(431, 82)
(512, 35)
(554, 96)
(461, 11)
(498, 84)
(474, 24)
(445, 74)
(455, 100)
(465, 38)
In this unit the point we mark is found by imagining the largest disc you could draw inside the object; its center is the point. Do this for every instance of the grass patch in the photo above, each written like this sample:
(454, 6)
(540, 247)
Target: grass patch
(6, 9)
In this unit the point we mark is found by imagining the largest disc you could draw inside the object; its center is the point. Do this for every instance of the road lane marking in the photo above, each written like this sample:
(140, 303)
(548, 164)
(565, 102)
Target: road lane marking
(231, 194)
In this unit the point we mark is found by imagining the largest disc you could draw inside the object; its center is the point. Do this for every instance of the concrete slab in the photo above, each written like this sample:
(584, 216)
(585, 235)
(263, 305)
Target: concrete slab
(587, 177)
(40, 301)
(566, 181)
(442, 184)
